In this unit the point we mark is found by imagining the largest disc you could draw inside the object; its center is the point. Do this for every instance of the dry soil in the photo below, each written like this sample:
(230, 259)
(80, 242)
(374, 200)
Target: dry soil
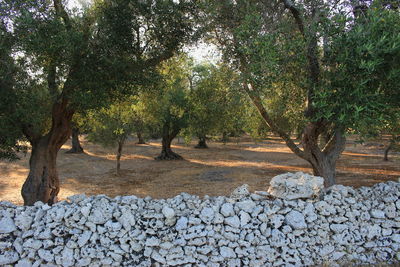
(214, 171)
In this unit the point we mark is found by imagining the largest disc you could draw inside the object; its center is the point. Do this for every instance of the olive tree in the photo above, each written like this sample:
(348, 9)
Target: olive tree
(111, 126)
(167, 103)
(63, 62)
(318, 61)
(214, 108)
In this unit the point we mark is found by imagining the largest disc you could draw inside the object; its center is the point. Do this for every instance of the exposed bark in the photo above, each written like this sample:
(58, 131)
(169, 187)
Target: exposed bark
(323, 161)
(202, 142)
(141, 140)
(76, 145)
(166, 151)
(42, 183)
(119, 154)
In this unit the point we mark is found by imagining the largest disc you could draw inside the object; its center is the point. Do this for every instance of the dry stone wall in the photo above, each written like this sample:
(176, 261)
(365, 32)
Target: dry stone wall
(341, 225)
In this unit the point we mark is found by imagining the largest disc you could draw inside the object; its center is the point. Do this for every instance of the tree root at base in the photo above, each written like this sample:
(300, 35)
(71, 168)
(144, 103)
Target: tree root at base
(169, 156)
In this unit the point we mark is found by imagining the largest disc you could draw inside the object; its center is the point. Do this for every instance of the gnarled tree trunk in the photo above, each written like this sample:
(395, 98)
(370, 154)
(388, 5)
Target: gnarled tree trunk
(323, 161)
(202, 142)
(42, 183)
(76, 145)
(166, 151)
(140, 138)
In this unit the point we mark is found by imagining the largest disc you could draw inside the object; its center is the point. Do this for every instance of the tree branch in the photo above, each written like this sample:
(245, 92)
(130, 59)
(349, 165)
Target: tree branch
(274, 127)
(311, 41)
(29, 133)
(60, 12)
(51, 79)
(296, 14)
(335, 145)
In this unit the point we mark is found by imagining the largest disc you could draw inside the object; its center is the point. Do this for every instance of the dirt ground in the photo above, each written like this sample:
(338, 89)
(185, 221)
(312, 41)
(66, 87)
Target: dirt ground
(214, 171)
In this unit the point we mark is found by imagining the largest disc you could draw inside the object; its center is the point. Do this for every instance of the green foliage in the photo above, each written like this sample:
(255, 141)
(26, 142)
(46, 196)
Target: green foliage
(263, 45)
(215, 102)
(362, 90)
(168, 104)
(356, 85)
(87, 58)
(112, 125)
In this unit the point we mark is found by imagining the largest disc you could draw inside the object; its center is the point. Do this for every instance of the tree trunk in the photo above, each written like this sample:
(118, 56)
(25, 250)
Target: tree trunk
(140, 138)
(225, 137)
(387, 149)
(202, 142)
(119, 154)
(42, 183)
(325, 167)
(166, 151)
(76, 145)
(323, 161)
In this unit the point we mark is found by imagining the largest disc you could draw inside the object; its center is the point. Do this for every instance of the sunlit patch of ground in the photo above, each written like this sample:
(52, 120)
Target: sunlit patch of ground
(214, 171)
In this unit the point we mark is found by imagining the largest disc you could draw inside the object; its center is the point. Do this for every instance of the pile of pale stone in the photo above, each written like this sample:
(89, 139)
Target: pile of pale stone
(293, 224)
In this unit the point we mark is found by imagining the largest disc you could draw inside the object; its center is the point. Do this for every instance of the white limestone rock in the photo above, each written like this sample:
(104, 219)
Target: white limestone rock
(324, 208)
(296, 185)
(7, 225)
(32, 243)
(337, 255)
(227, 210)
(240, 192)
(182, 223)
(83, 262)
(309, 212)
(169, 215)
(85, 210)
(152, 242)
(76, 198)
(278, 239)
(277, 220)
(296, 220)
(339, 228)
(67, 257)
(244, 218)
(246, 205)
(157, 257)
(373, 231)
(207, 215)
(24, 263)
(23, 221)
(378, 214)
(233, 221)
(227, 252)
(8, 257)
(84, 238)
(46, 255)
(346, 224)
(113, 226)
(326, 250)
(101, 211)
(396, 238)
(127, 219)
